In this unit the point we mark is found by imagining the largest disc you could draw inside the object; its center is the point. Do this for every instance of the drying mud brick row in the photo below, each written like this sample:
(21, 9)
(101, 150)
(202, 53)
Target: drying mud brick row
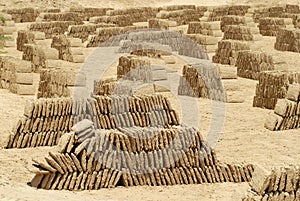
(251, 63)
(90, 159)
(69, 49)
(59, 83)
(69, 16)
(287, 111)
(182, 17)
(38, 55)
(161, 24)
(271, 26)
(126, 17)
(44, 117)
(145, 12)
(228, 50)
(22, 14)
(83, 31)
(205, 28)
(113, 87)
(44, 121)
(276, 12)
(236, 32)
(177, 7)
(105, 33)
(201, 80)
(16, 76)
(288, 40)
(208, 43)
(216, 13)
(87, 13)
(277, 184)
(52, 28)
(273, 85)
(175, 40)
(28, 37)
(154, 50)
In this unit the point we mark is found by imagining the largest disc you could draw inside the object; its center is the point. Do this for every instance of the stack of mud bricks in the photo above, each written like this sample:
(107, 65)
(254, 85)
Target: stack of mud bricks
(216, 13)
(38, 55)
(288, 40)
(105, 33)
(60, 83)
(69, 49)
(202, 80)
(139, 71)
(289, 11)
(16, 76)
(237, 32)
(44, 121)
(7, 29)
(134, 68)
(243, 21)
(251, 63)
(161, 23)
(126, 17)
(22, 14)
(271, 26)
(181, 14)
(228, 50)
(28, 37)
(207, 34)
(52, 28)
(273, 85)
(293, 12)
(87, 13)
(90, 159)
(277, 184)
(287, 111)
(112, 87)
(273, 12)
(83, 31)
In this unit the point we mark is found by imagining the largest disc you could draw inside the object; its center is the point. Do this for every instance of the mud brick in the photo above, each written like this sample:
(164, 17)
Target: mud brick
(62, 182)
(283, 179)
(73, 181)
(59, 161)
(98, 180)
(78, 181)
(83, 181)
(20, 140)
(260, 180)
(37, 179)
(87, 182)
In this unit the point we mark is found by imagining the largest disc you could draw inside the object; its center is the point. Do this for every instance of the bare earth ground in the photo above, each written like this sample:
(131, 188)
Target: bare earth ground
(243, 138)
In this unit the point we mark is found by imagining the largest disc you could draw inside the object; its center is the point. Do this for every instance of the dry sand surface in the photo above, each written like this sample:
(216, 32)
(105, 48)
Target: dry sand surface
(244, 138)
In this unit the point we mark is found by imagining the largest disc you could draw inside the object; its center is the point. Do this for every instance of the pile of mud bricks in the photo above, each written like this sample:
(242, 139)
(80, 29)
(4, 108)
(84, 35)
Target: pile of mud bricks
(273, 85)
(60, 83)
(87, 161)
(287, 111)
(251, 63)
(16, 75)
(69, 49)
(288, 40)
(277, 184)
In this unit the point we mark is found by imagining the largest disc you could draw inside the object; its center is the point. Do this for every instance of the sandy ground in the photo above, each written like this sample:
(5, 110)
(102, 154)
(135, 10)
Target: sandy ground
(243, 140)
